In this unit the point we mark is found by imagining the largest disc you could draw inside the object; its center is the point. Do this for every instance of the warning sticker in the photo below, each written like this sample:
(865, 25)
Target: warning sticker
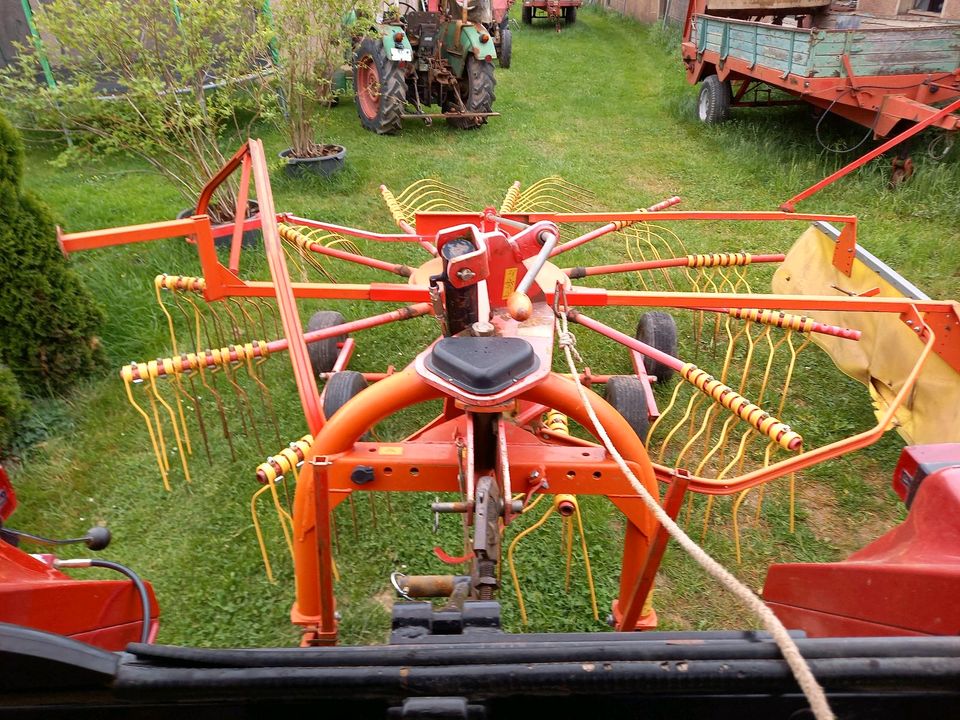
(509, 282)
(388, 450)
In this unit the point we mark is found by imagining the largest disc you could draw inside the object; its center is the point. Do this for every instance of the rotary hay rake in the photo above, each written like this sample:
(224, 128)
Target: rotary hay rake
(505, 436)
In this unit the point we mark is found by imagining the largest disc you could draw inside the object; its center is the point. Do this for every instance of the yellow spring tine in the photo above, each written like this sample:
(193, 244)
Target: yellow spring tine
(153, 438)
(512, 566)
(259, 531)
(176, 431)
(586, 562)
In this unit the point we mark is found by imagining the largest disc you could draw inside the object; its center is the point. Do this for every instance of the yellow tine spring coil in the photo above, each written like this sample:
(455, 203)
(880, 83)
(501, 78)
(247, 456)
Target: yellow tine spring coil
(719, 260)
(285, 461)
(393, 205)
(770, 426)
(270, 473)
(784, 320)
(557, 422)
(510, 199)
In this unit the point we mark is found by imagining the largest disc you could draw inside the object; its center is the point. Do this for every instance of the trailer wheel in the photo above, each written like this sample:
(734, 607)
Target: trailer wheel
(571, 15)
(713, 105)
(323, 353)
(626, 395)
(478, 94)
(659, 330)
(380, 88)
(527, 15)
(506, 47)
(340, 388)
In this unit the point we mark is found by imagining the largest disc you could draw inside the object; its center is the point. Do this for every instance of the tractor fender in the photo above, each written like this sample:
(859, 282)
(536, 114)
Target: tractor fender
(393, 49)
(459, 39)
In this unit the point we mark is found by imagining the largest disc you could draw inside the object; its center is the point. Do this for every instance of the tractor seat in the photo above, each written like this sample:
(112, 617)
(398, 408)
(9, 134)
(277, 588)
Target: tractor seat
(482, 365)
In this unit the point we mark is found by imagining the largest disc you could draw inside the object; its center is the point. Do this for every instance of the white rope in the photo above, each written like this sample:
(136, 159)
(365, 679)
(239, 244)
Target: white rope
(791, 653)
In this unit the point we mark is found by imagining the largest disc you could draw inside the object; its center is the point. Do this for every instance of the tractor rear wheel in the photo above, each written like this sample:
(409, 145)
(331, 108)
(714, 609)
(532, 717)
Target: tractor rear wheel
(506, 47)
(571, 15)
(323, 353)
(527, 15)
(478, 94)
(713, 105)
(626, 395)
(380, 88)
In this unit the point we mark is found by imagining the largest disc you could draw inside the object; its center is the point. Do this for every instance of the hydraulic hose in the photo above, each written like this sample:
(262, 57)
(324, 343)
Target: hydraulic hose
(134, 578)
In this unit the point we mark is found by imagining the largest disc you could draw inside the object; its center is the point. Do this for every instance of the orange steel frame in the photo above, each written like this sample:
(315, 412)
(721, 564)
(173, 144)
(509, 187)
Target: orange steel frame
(430, 460)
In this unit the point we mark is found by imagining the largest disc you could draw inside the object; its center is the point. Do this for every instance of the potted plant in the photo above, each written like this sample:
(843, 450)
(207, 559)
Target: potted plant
(173, 83)
(312, 42)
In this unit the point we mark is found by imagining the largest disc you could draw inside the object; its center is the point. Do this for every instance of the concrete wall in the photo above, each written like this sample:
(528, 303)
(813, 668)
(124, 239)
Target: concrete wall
(643, 10)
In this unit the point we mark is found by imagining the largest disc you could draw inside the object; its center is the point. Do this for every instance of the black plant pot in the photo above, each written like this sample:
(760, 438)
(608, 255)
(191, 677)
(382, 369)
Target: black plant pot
(323, 166)
(249, 239)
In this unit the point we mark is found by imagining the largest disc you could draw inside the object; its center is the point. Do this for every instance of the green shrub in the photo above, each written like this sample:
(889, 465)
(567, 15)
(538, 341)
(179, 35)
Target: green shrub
(48, 320)
(12, 409)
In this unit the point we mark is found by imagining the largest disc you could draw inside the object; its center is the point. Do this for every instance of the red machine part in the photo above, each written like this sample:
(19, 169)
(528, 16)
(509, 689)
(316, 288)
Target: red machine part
(905, 583)
(105, 613)
(8, 498)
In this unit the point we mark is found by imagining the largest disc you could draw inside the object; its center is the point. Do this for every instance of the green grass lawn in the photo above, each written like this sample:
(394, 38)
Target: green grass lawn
(603, 104)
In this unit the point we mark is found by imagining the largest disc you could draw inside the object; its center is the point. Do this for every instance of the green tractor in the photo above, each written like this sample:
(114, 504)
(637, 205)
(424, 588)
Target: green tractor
(420, 57)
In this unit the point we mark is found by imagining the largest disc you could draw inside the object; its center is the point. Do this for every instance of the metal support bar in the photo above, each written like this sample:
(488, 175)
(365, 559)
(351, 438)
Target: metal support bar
(789, 205)
(672, 502)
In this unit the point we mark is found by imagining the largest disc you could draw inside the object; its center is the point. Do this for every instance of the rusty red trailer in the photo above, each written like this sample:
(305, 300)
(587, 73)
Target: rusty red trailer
(880, 72)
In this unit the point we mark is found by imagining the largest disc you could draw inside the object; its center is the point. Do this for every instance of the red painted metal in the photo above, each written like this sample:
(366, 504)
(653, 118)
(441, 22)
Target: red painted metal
(432, 459)
(905, 583)
(790, 204)
(655, 265)
(672, 502)
(106, 613)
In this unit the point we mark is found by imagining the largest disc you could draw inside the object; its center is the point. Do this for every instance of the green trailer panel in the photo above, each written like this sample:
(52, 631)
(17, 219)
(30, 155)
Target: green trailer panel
(925, 48)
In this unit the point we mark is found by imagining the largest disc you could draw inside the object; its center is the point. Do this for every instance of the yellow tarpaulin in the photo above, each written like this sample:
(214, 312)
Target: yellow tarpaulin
(888, 349)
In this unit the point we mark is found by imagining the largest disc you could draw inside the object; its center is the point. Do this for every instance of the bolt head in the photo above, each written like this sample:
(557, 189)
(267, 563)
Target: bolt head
(466, 274)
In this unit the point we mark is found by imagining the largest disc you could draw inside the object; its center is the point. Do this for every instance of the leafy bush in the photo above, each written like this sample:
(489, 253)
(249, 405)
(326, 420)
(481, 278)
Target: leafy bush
(168, 82)
(12, 409)
(48, 320)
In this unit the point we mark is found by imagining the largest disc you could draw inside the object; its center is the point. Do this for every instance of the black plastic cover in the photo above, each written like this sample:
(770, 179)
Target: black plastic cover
(482, 365)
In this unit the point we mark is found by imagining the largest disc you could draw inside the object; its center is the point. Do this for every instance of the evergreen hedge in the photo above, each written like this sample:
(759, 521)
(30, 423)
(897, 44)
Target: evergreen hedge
(12, 409)
(48, 319)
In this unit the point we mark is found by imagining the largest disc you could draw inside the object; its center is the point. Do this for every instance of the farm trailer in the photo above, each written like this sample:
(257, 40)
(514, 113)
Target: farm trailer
(880, 72)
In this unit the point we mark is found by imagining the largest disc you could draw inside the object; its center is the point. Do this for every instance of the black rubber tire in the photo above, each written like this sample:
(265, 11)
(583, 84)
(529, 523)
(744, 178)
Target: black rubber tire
(506, 48)
(526, 14)
(659, 330)
(626, 395)
(391, 88)
(571, 15)
(340, 388)
(713, 104)
(478, 94)
(323, 353)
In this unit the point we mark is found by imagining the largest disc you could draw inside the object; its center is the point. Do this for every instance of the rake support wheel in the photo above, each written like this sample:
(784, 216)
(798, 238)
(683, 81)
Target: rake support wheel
(527, 15)
(380, 88)
(659, 330)
(626, 395)
(323, 353)
(479, 93)
(340, 389)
